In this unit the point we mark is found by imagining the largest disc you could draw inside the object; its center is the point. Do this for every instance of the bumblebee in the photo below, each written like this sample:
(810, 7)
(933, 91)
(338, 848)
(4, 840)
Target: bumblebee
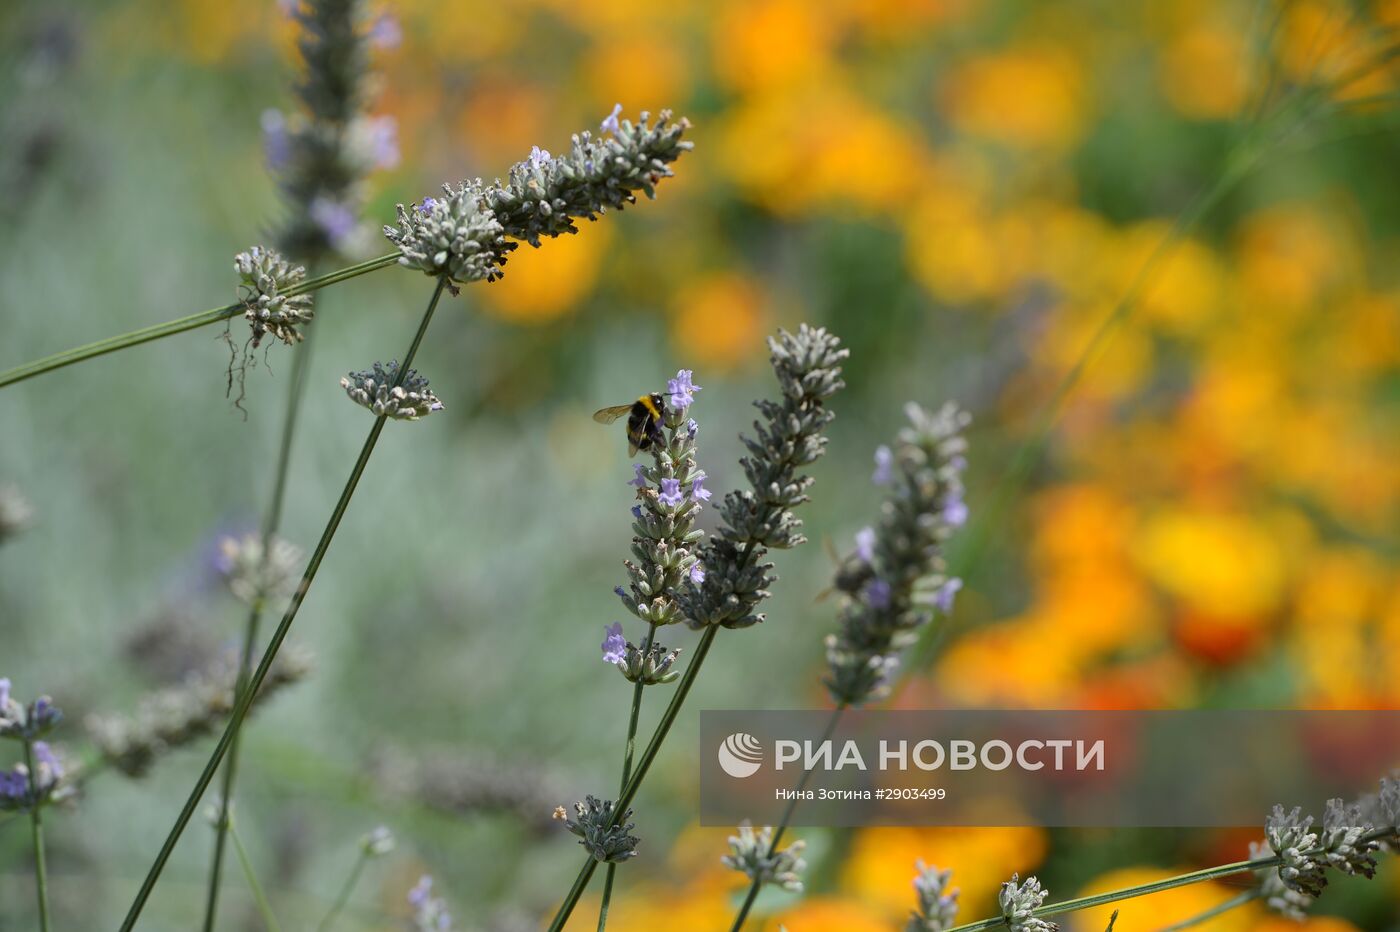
(643, 421)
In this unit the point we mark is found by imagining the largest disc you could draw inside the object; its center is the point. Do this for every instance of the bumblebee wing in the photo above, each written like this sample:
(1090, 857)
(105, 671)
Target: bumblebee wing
(632, 447)
(608, 415)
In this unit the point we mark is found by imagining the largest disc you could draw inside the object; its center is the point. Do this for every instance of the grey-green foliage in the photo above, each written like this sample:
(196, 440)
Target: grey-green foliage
(892, 590)
(788, 438)
(175, 717)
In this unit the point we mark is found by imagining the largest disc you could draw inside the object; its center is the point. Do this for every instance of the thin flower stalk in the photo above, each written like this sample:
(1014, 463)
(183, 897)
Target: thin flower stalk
(789, 437)
(251, 876)
(271, 524)
(1157, 886)
(375, 844)
(36, 822)
(269, 654)
(670, 497)
(182, 324)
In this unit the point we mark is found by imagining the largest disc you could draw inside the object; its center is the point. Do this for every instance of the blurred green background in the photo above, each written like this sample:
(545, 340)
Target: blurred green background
(961, 191)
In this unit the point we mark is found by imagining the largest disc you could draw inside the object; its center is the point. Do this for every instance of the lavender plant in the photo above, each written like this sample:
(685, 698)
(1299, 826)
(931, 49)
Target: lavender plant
(896, 578)
(321, 157)
(35, 783)
(609, 186)
(733, 581)
(937, 902)
(669, 496)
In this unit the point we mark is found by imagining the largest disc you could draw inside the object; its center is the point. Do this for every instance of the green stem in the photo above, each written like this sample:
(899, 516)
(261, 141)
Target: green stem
(271, 521)
(668, 718)
(36, 821)
(791, 807)
(180, 325)
(1234, 901)
(264, 907)
(240, 709)
(627, 753)
(345, 891)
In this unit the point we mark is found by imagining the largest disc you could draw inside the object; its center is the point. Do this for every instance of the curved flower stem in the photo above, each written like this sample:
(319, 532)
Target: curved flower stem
(1156, 886)
(757, 883)
(296, 390)
(668, 718)
(1234, 901)
(180, 325)
(241, 705)
(36, 821)
(637, 688)
(344, 896)
(264, 907)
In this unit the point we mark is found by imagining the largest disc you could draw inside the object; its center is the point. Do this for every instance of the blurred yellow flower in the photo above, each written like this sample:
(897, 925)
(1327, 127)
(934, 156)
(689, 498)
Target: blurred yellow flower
(821, 147)
(1289, 255)
(1270, 922)
(545, 283)
(762, 44)
(719, 320)
(1204, 69)
(1032, 96)
(642, 69)
(879, 871)
(1216, 562)
(828, 914)
(1184, 291)
(1156, 910)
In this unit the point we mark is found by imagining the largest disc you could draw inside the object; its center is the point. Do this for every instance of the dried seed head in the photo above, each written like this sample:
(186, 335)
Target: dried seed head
(375, 389)
(267, 307)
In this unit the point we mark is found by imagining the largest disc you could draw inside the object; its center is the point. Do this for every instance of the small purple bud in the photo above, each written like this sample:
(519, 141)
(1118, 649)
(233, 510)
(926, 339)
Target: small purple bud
(637, 512)
(638, 479)
(697, 573)
(385, 32)
(4, 692)
(944, 598)
(621, 592)
(671, 493)
(698, 491)
(877, 594)
(682, 389)
(865, 545)
(419, 894)
(691, 429)
(539, 158)
(277, 145)
(335, 219)
(614, 645)
(610, 123)
(955, 511)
